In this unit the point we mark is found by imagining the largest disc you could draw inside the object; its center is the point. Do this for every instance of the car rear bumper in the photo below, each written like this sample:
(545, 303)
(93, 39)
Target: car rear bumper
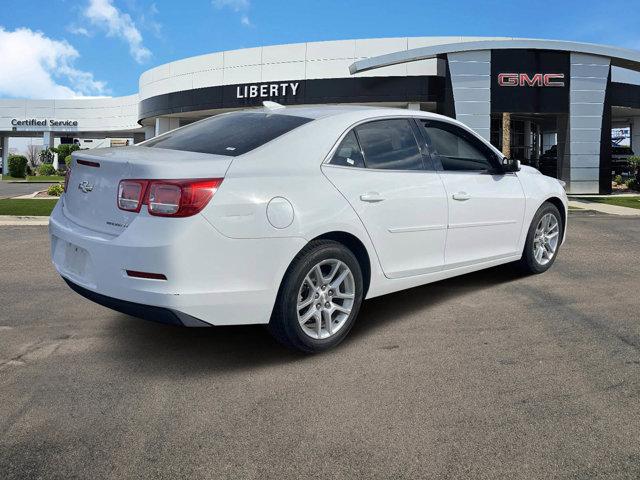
(209, 277)
(146, 312)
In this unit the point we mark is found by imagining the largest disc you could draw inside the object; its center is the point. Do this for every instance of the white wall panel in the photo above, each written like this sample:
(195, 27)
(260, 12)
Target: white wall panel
(207, 78)
(283, 71)
(379, 46)
(242, 58)
(247, 74)
(589, 75)
(328, 68)
(295, 52)
(472, 71)
(331, 50)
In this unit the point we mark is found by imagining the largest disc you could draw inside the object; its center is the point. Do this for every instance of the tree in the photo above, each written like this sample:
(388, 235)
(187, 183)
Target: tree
(634, 163)
(65, 149)
(33, 155)
(46, 155)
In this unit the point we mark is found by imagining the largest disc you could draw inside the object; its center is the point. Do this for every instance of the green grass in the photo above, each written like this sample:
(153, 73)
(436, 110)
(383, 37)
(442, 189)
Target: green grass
(35, 179)
(631, 202)
(27, 206)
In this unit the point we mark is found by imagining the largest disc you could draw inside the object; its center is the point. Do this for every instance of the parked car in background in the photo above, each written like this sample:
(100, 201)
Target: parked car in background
(292, 217)
(548, 162)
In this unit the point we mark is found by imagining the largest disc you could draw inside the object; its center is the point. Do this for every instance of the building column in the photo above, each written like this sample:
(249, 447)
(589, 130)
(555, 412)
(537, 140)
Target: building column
(470, 74)
(165, 124)
(149, 132)
(47, 142)
(527, 141)
(588, 86)
(5, 155)
(506, 134)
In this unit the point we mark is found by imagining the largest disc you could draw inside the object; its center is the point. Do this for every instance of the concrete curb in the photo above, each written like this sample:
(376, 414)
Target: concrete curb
(13, 220)
(33, 196)
(604, 208)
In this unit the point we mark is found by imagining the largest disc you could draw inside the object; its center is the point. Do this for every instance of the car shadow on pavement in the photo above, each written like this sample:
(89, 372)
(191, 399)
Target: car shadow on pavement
(381, 310)
(162, 349)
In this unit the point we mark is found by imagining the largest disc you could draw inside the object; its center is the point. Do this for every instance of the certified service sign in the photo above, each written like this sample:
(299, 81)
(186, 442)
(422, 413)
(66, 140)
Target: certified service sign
(34, 122)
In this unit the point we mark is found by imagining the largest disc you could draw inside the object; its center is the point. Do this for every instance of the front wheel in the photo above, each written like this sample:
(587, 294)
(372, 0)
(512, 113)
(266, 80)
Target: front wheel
(319, 299)
(543, 239)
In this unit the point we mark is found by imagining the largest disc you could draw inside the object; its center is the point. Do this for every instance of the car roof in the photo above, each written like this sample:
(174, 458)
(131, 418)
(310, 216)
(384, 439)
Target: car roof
(322, 111)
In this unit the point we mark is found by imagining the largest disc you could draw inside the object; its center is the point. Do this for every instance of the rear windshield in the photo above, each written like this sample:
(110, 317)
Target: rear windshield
(230, 134)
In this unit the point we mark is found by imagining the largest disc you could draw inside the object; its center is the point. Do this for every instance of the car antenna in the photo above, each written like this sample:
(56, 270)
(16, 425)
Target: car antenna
(272, 105)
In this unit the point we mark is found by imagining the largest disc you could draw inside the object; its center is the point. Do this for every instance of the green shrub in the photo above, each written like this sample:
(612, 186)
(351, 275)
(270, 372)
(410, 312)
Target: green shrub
(633, 184)
(17, 166)
(29, 171)
(55, 190)
(67, 161)
(634, 163)
(46, 169)
(46, 155)
(64, 150)
(617, 179)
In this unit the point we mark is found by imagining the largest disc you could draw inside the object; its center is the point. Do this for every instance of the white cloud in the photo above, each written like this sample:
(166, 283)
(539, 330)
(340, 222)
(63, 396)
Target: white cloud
(103, 14)
(78, 30)
(238, 6)
(36, 66)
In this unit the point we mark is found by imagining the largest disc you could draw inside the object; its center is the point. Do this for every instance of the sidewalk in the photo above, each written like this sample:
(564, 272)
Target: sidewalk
(13, 220)
(603, 207)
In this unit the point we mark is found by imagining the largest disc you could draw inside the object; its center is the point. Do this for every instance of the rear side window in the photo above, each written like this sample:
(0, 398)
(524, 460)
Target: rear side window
(231, 134)
(348, 153)
(389, 144)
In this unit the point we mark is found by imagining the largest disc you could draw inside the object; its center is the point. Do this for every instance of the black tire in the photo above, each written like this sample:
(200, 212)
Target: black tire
(284, 325)
(528, 263)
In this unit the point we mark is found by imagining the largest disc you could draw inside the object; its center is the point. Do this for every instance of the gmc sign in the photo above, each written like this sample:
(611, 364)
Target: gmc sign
(536, 80)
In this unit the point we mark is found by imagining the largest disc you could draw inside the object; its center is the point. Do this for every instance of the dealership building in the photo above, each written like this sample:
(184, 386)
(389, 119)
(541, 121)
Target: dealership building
(561, 99)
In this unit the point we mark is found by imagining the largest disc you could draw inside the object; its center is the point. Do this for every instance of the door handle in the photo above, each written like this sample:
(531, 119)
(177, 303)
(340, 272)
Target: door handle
(461, 196)
(371, 197)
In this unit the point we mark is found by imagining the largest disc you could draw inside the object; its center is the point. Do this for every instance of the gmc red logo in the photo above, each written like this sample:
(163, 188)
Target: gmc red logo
(537, 80)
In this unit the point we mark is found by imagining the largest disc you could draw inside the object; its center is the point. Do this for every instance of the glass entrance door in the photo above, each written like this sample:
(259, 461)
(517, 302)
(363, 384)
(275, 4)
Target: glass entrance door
(537, 140)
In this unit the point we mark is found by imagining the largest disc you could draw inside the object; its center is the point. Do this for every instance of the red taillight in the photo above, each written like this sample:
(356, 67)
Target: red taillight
(167, 198)
(180, 198)
(148, 275)
(164, 199)
(131, 195)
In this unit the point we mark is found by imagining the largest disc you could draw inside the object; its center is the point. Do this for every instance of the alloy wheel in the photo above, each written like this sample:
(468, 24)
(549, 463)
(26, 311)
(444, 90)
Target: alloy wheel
(545, 239)
(325, 298)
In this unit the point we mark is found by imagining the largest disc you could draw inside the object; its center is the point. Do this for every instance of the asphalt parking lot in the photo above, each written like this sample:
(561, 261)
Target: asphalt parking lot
(11, 189)
(491, 375)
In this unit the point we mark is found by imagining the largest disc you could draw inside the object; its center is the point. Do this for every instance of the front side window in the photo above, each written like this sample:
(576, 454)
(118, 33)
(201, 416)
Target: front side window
(455, 148)
(348, 153)
(389, 144)
(230, 134)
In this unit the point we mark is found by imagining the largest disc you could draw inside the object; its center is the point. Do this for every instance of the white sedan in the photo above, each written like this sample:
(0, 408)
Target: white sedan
(291, 217)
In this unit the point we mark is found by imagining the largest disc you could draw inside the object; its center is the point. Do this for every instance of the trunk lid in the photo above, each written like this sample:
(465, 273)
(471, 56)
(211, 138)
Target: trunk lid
(91, 197)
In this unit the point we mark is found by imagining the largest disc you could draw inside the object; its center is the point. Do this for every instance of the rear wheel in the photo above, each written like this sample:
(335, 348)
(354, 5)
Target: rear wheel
(319, 298)
(543, 239)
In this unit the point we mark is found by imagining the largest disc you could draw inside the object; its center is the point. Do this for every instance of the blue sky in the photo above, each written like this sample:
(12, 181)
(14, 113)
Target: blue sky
(64, 48)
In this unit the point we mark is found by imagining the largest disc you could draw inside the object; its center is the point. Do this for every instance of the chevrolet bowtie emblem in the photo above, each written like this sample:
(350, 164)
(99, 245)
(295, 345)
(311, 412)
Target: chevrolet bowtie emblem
(85, 186)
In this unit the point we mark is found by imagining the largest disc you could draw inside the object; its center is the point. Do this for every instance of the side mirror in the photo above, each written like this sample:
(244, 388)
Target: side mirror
(510, 164)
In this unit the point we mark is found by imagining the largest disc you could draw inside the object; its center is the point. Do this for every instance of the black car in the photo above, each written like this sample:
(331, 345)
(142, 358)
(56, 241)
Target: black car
(548, 162)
